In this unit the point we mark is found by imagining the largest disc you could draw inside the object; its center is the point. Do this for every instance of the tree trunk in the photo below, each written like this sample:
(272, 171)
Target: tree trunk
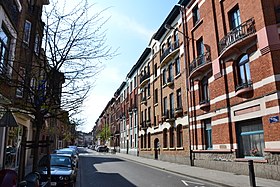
(39, 120)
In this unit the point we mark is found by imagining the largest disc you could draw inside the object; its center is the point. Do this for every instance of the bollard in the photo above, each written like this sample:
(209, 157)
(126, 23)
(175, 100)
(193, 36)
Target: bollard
(251, 173)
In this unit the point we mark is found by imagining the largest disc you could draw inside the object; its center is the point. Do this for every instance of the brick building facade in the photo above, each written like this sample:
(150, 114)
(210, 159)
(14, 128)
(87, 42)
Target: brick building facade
(208, 87)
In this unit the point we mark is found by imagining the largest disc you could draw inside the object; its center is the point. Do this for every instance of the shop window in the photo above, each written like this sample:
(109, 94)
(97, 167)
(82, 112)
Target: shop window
(208, 134)
(250, 138)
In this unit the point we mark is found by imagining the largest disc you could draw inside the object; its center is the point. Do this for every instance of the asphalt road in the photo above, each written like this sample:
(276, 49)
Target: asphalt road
(107, 170)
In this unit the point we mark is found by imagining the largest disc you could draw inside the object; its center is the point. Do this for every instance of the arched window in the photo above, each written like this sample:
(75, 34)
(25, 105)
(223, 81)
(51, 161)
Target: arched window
(171, 137)
(149, 140)
(164, 138)
(243, 70)
(179, 136)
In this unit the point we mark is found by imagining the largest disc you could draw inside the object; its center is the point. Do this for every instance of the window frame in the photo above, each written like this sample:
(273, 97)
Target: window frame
(27, 32)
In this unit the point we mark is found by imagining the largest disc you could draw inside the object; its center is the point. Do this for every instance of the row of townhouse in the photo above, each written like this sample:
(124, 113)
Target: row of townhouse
(205, 91)
(21, 56)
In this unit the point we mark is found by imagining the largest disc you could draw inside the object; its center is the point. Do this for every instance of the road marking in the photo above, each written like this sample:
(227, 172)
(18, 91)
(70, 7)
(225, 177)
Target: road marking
(191, 182)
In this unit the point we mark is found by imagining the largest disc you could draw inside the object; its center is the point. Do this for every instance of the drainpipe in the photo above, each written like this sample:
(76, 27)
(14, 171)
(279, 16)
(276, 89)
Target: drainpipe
(187, 60)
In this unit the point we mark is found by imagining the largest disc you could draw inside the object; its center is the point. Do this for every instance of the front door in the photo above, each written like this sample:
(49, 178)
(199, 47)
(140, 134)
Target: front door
(156, 148)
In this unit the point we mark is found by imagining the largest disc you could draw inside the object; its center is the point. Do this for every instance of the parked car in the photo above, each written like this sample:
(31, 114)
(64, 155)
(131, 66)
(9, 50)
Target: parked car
(69, 152)
(102, 148)
(63, 171)
(74, 147)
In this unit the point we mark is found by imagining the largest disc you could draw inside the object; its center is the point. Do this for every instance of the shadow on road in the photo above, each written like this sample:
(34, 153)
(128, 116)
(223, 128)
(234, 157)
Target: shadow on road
(89, 176)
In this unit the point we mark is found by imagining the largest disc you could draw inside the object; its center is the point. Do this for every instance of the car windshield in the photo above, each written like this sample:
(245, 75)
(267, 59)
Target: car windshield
(60, 161)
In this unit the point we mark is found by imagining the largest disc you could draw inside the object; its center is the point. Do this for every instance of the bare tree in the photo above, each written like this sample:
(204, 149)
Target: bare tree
(57, 78)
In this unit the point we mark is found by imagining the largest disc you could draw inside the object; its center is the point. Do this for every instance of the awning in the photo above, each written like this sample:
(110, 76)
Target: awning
(8, 120)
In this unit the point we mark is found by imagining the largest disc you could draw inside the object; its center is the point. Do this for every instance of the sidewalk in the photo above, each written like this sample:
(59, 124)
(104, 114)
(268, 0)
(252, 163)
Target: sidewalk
(214, 176)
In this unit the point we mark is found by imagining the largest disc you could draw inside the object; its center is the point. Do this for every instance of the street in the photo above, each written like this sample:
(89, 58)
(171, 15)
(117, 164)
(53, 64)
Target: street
(105, 169)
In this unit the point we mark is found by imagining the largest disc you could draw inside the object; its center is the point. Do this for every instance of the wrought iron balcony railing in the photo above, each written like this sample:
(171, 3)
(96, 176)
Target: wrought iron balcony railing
(199, 61)
(144, 76)
(245, 29)
(170, 49)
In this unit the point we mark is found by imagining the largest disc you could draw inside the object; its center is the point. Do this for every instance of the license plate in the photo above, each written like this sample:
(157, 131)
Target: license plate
(53, 183)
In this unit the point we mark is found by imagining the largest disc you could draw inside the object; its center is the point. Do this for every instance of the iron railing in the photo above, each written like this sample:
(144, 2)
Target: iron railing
(245, 29)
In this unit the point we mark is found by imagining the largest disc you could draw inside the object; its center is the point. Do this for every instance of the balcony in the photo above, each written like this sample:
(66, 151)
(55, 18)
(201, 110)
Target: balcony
(144, 100)
(170, 81)
(171, 115)
(143, 125)
(243, 88)
(204, 103)
(179, 111)
(144, 79)
(238, 37)
(200, 65)
(169, 53)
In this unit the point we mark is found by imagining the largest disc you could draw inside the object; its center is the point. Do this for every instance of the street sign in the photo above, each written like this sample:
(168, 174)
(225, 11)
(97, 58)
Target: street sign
(274, 119)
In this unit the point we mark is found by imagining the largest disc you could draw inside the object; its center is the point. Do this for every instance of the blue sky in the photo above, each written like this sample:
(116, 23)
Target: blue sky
(130, 29)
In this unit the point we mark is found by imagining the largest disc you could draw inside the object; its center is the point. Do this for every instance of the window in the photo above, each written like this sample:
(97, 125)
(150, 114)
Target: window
(234, 17)
(165, 106)
(149, 140)
(179, 136)
(37, 44)
(131, 143)
(200, 52)
(204, 91)
(149, 114)
(250, 138)
(149, 90)
(170, 73)
(177, 66)
(179, 98)
(145, 140)
(171, 102)
(164, 78)
(135, 140)
(156, 95)
(155, 70)
(27, 30)
(130, 87)
(165, 138)
(171, 137)
(176, 37)
(21, 78)
(4, 50)
(243, 70)
(208, 134)
(163, 48)
(196, 15)
(169, 43)
(135, 82)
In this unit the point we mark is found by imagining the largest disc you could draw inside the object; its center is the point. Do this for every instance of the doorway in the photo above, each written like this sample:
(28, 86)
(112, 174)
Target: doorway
(156, 148)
